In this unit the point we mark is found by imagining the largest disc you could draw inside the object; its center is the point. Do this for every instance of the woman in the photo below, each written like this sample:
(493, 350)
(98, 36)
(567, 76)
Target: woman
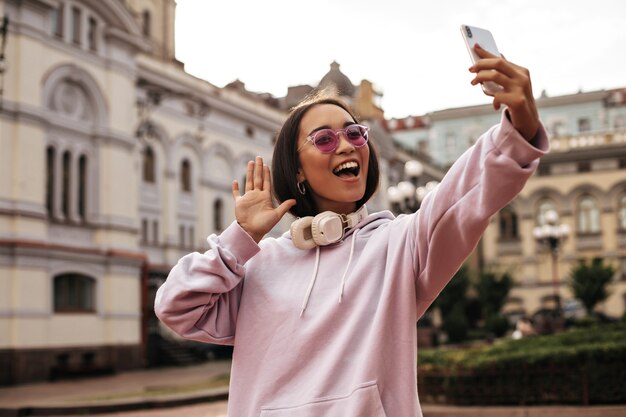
(329, 330)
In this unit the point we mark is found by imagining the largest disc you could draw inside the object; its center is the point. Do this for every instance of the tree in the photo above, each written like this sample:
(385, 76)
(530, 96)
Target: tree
(493, 289)
(589, 282)
(451, 303)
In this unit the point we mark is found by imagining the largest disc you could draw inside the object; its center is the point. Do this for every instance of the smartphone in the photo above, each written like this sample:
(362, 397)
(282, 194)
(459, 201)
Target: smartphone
(474, 35)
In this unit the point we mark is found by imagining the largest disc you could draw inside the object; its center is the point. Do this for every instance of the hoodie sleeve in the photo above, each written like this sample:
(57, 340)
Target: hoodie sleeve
(200, 298)
(455, 214)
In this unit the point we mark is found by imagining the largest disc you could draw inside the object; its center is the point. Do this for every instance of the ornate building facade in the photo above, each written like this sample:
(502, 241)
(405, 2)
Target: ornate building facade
(114, 162)
(583, 179)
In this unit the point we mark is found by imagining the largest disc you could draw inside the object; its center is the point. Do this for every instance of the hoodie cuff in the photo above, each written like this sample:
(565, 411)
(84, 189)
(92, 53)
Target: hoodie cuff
(237, 241)
(512, 144)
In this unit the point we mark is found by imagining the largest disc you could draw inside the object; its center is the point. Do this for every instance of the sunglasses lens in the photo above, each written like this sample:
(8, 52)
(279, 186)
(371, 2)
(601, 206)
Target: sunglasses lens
(357, 135)
(325, 140)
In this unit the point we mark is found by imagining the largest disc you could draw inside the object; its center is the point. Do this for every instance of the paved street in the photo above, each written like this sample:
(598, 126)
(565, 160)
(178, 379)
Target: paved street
(216, 409)
(155, 392)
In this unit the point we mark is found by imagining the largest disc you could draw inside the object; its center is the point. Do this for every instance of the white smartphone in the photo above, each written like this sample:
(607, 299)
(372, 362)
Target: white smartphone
(474, 35)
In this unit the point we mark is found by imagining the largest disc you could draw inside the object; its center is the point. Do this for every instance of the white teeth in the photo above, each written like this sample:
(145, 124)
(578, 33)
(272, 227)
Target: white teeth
(346, 165)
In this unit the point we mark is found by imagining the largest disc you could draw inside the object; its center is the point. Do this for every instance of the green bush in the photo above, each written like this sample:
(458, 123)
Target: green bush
(497, 325)
(583, 366)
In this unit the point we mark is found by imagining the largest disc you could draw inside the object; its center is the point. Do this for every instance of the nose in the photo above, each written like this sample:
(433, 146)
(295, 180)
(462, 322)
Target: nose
(344, 145)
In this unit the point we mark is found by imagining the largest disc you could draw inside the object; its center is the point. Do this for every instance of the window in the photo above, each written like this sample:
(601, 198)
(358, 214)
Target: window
(92, 34)
(621, 213)
(82, 187)
(508, 224)
(584, 166)
(148, 165)
(65, 206)
(147, 23)
(185, 176)
(449, 143)
(191, 235)
(588, 216)
(50, 156)
(557, 128)
(584, 125)
(181, 236)
(74, 293)
(544, 206)
(76, 25)
(57, 21)
(155, 232)
(144, 230)
(218, 208)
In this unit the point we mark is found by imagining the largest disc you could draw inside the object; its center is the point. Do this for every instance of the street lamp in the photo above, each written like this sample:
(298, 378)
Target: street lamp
(552, 234)
(407, 195)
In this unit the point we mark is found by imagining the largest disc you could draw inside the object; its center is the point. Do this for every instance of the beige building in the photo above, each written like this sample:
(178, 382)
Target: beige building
(113, 163)
(583, 179)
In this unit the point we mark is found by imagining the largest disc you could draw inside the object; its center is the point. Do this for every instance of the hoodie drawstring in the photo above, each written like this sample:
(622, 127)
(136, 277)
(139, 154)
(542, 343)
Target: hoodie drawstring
(316, 269)
(345, 273)
(313, 278)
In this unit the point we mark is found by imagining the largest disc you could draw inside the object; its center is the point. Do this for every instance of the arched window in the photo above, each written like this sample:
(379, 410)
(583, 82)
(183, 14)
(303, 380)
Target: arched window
(621, 213)
(181, 236)
(148, 165)
(82, 187)
(588, 215)
(50, 157)
(74, 293)
(192, 236)
(65, 202)
(508, 224)
(155, 232)
(146, 23)
(544, 206)
(218, 208)
(185, 175)
(144, 231)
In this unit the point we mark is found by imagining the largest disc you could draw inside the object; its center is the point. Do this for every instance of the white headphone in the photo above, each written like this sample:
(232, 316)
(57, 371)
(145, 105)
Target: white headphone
(325, 228)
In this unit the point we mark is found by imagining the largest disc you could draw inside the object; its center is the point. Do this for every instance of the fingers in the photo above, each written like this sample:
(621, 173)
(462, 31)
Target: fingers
(257, 176)
(236, 193)
(258, 173)
(483, 53)
(267, 181)
(285, 206)
(249, 175)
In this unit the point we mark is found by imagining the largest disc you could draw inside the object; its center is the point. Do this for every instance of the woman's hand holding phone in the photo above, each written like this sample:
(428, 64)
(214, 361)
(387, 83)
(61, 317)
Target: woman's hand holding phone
(516, 93)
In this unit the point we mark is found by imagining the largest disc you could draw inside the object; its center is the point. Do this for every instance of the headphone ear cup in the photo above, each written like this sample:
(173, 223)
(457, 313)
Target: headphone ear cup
(301, 233)
(327, 228)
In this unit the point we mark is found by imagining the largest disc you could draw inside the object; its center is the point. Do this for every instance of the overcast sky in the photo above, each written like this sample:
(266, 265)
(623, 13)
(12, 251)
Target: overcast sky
(411, 50)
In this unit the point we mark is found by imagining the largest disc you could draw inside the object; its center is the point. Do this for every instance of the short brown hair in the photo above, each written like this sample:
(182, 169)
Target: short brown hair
(285, 161)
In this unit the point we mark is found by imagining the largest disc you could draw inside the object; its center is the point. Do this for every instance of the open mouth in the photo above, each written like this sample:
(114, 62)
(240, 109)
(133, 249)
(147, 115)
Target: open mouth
(347, 170)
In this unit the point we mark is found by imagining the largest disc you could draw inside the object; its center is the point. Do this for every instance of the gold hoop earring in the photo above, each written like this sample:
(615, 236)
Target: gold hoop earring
(301, 187)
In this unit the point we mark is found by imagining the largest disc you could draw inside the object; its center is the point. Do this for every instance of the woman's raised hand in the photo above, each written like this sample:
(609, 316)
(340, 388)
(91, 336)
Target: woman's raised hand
(254, 210)
(516, 93)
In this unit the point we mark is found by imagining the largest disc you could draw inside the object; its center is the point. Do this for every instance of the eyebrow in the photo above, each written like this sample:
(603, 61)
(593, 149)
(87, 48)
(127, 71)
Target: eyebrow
(346, 124)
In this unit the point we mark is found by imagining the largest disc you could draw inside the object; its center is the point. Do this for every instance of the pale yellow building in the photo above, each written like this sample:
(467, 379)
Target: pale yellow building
(583, 179)
(114, 163)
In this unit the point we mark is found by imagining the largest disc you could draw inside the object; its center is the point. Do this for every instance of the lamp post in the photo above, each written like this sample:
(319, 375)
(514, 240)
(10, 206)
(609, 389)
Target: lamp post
(407, 195)
(552, 234)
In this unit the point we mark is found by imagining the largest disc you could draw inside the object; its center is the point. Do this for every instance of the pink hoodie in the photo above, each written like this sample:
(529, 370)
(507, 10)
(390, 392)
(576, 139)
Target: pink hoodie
(332, 331)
